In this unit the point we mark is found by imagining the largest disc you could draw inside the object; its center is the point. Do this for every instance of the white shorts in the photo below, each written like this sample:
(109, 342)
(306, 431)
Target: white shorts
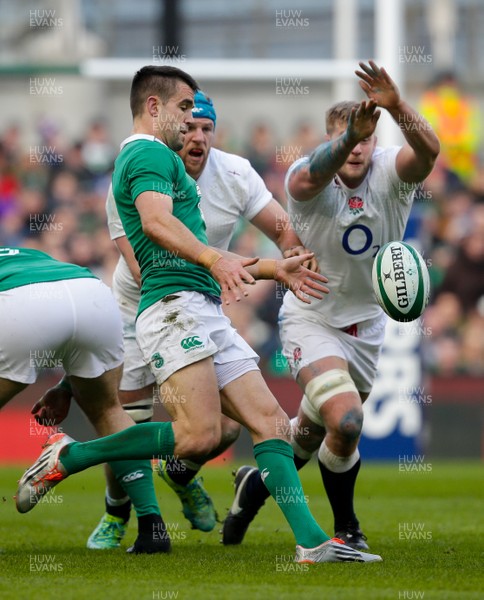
(136, 373)
(186, 327)
(305, 341)
(73, 324)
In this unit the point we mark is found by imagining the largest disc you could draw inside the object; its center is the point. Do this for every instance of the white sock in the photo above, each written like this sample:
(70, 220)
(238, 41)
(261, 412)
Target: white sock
(116, 501)
(337, 464)
(193, 466)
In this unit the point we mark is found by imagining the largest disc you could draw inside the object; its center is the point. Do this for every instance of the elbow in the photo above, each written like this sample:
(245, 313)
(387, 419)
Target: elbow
(431, 157)
(435, 152)
(149, 230)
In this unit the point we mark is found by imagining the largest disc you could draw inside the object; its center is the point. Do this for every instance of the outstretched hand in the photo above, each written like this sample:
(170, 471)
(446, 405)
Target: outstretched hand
(378, 85)
(233, 277)
(362, 121)
(300, 280)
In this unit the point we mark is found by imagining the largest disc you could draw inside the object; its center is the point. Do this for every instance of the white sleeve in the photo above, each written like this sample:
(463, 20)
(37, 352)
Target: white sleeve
(114, 222)
(390, 157)
(258, 195)
(295, 164)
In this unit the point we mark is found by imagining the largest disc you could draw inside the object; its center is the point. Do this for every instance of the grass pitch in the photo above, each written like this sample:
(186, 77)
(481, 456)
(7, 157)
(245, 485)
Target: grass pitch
(428, 526)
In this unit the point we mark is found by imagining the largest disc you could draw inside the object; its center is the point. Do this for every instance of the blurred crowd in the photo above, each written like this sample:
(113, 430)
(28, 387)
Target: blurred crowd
(451, 213)
(52, 198)
(52, 194)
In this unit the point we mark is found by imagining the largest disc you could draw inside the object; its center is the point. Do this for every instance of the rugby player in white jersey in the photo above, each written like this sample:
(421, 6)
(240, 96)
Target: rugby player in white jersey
(230, 189)
(352, 197)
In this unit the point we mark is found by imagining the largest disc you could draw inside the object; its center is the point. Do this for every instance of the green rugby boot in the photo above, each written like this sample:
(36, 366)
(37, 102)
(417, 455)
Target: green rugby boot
(108, 534)
(197, 505)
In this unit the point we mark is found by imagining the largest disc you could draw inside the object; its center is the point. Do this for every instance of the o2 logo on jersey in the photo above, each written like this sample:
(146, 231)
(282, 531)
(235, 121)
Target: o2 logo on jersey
(358, 239)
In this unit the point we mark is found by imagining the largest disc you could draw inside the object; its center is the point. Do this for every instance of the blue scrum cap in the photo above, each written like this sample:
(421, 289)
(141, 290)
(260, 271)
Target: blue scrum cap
(203, 108)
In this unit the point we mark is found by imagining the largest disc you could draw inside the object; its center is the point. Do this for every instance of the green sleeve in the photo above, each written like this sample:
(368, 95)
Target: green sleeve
(152, 170)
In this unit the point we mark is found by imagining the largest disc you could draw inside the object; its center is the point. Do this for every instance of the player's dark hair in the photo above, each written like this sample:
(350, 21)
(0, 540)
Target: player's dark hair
(157, 80)
(339, 113)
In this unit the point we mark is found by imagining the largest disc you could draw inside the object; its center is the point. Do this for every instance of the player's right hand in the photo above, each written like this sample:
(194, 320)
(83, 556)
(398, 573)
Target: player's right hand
(362, 121)
(53, 407)
(232, 277)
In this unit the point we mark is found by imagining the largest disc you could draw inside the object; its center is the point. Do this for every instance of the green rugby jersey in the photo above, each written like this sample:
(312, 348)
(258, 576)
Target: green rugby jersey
(145, 164)
(22, 266)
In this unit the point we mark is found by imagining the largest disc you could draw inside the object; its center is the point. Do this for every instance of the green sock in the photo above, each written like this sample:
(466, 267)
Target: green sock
(275, 459)
(146, 440)
(136, 478)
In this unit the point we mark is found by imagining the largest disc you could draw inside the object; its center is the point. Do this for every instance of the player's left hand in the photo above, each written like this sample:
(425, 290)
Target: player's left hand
(53, 407)
(300, 280)
(378, 85)
(311, 264)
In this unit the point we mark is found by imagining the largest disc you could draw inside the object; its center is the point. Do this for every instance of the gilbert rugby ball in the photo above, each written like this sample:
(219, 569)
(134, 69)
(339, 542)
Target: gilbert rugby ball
(401, 281)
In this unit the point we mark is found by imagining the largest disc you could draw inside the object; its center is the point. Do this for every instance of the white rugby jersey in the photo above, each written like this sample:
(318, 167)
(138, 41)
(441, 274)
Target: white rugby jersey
(345, 228)
(229, 187)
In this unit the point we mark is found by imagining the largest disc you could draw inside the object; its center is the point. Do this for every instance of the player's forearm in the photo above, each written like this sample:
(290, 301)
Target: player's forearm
(417, 131)
(274, 222)
(329, 157)
(287, 239)
(310, 177)
(265, 268)
(172, 235)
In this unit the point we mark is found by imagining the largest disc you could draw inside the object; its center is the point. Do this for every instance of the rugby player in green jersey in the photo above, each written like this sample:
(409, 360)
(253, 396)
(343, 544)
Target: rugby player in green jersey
(197, 358)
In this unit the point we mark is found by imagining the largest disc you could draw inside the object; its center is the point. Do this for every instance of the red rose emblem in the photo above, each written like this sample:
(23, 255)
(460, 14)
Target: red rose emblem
(355, 204)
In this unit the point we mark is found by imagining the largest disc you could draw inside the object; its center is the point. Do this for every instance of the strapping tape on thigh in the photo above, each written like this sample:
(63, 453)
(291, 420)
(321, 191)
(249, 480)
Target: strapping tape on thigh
(323, 387)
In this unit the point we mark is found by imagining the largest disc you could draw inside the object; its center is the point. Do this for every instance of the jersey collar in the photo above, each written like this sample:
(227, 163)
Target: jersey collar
(140, 136)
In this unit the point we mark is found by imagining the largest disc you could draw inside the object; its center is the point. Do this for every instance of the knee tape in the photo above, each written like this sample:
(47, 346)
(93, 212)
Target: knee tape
(320, 389)
(140, 411)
